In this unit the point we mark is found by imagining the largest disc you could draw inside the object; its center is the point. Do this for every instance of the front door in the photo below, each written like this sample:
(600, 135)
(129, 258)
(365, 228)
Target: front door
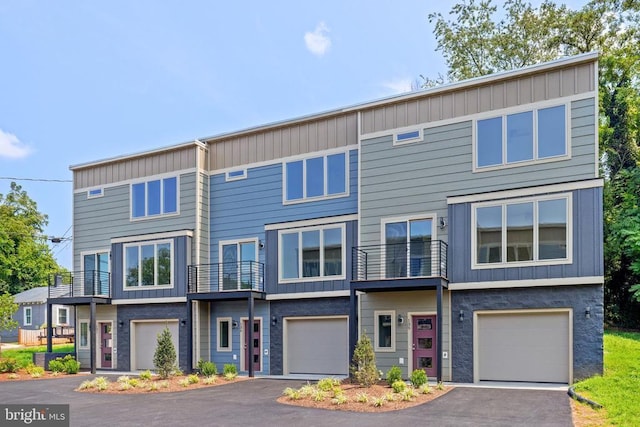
(106, 345)
(252, 334)
(424, 344)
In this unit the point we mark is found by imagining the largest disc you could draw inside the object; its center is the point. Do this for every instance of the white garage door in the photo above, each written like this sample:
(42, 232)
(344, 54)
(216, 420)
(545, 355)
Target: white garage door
(531, 347)
(145, 340)
(317, 346)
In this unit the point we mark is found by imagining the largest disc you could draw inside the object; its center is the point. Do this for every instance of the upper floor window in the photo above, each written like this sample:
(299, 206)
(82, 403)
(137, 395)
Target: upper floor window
(527, 136)
(407, 137)
(312, 253)
(148, 264)
(235, 175)
(28, 318)
(521, 232)
(153, 198)
(315, 178)
(95, 192)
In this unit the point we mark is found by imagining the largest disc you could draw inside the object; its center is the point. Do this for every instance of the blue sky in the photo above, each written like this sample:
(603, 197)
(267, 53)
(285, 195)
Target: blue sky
(82, 81)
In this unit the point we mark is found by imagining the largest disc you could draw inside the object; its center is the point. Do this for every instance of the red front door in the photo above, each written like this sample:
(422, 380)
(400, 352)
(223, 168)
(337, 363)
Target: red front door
(424, 344)
(252, 334)
(106, 344)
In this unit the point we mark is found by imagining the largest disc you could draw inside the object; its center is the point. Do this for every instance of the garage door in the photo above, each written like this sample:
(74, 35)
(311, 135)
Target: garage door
(526, 346)
(145, 340)
(317, 346)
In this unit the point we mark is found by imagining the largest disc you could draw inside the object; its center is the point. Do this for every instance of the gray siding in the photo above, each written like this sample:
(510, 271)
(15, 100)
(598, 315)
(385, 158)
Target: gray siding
(587, 333)
(587, 245)
(417, 178)
(204, 337)
(299, 308)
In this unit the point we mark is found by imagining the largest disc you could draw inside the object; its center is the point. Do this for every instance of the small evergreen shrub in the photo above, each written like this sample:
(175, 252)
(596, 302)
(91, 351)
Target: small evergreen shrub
(394, 374)
(230, 368)
(399, 386)
(56, 365)
(364, 368)
(71, 365)
(207, 368)
(9, 365)
(164, 358)
(193, 379)
(418, 378)
(145, 375)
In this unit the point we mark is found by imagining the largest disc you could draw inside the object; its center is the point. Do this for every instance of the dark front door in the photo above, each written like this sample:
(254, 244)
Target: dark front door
(106, 345)
(424, 344)
(252, 335)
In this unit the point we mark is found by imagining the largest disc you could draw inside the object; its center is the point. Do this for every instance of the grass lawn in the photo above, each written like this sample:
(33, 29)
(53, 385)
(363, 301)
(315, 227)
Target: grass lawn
(25, 355)
(617, 389)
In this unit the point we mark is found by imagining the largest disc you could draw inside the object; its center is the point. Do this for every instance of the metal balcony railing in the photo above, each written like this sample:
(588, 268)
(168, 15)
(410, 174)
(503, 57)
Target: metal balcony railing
(226, 277)
(80, 284)
(400, 261)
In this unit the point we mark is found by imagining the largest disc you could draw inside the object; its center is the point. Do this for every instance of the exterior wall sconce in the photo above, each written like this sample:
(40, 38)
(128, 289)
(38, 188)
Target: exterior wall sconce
(183, 322)
(461, 316)
(442, 224)
(400, 319)
(587, 312)
(120, 323)
(274, 320)
(234, 324)
(260, 244)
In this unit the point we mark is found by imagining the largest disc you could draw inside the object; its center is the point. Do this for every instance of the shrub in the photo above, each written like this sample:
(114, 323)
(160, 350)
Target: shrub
(328, 384)
(164, 358)
(340, 399)
(101, 383)
(134, 382)
(378, 401)
(56, 365)
(124, 386)
(440, 386)
(193, 379)
(418, 378)
(13, 376)
(394, 374)
(86, 385)
(230, 368)
(364, 368)
(71, 365)
(307, 390)
(319, 395)
(399, 386)
(153, 387)
(425, 389)
(9, 365)
(209, 380)
(184, 382)
(34, 370)
(145, 375)
(123, 379)
(362, 398)
(389, 397)
(207, 368)
(408, 394)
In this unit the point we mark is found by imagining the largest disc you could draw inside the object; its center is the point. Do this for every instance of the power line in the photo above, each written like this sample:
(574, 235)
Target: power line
(35, 179)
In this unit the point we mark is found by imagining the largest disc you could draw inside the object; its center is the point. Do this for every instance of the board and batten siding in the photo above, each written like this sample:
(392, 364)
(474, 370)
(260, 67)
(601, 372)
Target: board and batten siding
(287, 139)
(587, 245)
(414, 302)
(241, 209)
(482, 97)
(417, 178)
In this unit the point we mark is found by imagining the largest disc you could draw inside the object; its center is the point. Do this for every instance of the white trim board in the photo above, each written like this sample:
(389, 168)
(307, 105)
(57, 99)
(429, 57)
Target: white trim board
(311, 222)
(152, 236)
(505, 284)
(168, 300)
(307, 295)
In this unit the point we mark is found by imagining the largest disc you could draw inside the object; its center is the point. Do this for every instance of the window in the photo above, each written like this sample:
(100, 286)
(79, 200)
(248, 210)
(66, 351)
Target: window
(315, 178)
(407, 249)
(96, 192)
(84, 334)
(519, 232)
(95, 267)
(236, 175)
(224, 333)
(28, 316)
(63, 314)
(148, 264)
(384, 330)
(521, 137)
(311, 253)
(239, 267)
(407, 137)
(153, 198)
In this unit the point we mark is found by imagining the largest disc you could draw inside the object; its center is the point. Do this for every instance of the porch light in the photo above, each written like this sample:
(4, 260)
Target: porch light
(442, 223)
(400, 319)
(274, 320)
(234, 324)
(587, 312)
(461, 316)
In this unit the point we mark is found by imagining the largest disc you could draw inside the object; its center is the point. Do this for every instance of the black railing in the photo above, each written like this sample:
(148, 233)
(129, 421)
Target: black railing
(227, 276)
(399, 261)
(80, 284)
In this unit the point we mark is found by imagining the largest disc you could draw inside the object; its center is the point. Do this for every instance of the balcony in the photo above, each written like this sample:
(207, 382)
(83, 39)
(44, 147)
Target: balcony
(403, 261)
(226, 277)
(88, 283)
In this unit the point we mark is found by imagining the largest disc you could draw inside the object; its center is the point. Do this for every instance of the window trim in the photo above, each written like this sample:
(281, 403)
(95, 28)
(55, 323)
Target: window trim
(376, 331)
(91, 193)
(535, 262)
(139, 287)
(58, 310)
(80, 323)
(281, 232)
(304, 160)
(219, 320)
(24, 315)
(228, 175)
(146, 182)
(503, 113)
(399, 132)
(407, 218)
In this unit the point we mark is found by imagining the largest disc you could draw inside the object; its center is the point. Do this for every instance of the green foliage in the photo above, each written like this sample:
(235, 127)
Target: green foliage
(56, 365)
(620, 380)
(362, 398)
(378, 402)
(318, 395)
(193, 379)
(418, 378)
(229, 368)
(145, 375)
(34, 371)
(394, 374)
(328, 384)
(184, 382)
(98, 383)
(210, 380)
(363, 367)
(207, 368)
(9, 364)
(7, 309)
(424, 389)
(440, 386)
(399, 386)
(70, 364)
(340, 399)
(408, 394)
(164, 358)
(25, 355)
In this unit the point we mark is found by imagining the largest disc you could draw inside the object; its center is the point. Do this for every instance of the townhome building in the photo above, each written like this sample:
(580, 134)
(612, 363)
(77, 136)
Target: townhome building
(459, 227)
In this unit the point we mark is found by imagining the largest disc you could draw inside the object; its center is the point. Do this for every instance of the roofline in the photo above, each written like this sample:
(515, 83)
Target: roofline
(570, 60)
(173, 147)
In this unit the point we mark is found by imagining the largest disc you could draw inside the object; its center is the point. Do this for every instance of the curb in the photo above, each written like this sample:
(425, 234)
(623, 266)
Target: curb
(571, 392)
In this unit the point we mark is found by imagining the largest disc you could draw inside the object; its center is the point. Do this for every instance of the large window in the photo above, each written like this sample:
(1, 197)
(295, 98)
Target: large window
(521, 137)
(517, 232)
(407, 250)
(311, 253)
(384, 330)
(224, 334)
(28, 316)
(148, 264)
(315, 178)
(154, 198)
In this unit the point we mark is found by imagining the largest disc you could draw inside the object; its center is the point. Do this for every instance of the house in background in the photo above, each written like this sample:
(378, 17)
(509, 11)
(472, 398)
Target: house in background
(32, 313)
(459, 227)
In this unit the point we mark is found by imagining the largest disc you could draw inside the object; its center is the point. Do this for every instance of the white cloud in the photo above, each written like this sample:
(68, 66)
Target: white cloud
(318, 41)
(396, 86)
(12, 147)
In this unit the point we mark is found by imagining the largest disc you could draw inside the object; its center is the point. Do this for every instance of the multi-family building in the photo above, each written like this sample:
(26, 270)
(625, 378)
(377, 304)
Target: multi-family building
(459, 227)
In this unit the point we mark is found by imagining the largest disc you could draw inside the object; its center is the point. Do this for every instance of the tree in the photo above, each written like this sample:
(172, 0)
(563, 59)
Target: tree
(364, 368)
(7, 308)
(164, 359)
(477, 40)
(26, 260)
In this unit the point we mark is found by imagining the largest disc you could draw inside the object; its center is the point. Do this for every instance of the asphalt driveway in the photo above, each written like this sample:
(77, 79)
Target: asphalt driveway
(252, 403)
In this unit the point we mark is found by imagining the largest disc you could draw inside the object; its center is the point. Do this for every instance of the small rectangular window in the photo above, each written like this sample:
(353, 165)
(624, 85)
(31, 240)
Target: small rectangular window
(62, 316)
(406, 137)
(84, 334)
(27, 316)
(96, 192)
(384, 331)
(170, 195)
(236, 175)
(224, 334)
